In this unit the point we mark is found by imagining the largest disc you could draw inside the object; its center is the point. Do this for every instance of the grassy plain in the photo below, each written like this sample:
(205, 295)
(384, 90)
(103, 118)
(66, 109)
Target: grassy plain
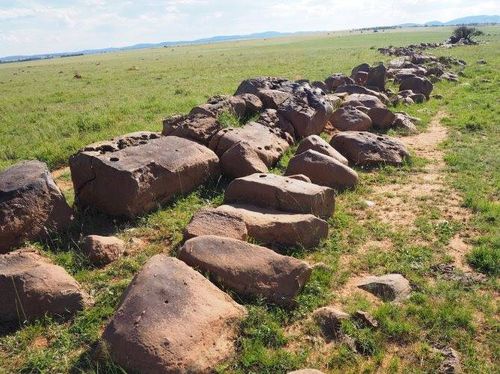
(47, 114)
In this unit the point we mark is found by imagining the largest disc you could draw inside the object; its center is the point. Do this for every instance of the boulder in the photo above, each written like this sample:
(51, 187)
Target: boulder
(32, 287)
(198, 127)
(172, 320)
(404, 123)
(273, 227)
(363, 100)
(240, 106)
(377, 77)
(382, 118)
(273, 99)
(390, 287)
(272, 119)
(354, 89)
(31, 205)
(419, 85)
(367, 149)
(316, 143)
(248, 269)
(102, 250)
(323, 170)
(130, 179)
(217, 222)
(282, 193)
(330, 320)
(336, 80)
(241, 160)
(351, 119)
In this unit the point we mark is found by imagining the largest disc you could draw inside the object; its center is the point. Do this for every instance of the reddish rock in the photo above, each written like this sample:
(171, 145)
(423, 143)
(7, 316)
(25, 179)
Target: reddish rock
(102, 250)
(32, 287)
(382, 118)
(367, 149)
(31, 205)
(172, 320)
(246, 268)
(282, 193)
(216, 222)
(390, 287)
(273, 227)
(198, 127)
(363, 100)
(138, 177)
(419, 85)
(316, 143)
(337, 80)
(350, 119)
(323, 170)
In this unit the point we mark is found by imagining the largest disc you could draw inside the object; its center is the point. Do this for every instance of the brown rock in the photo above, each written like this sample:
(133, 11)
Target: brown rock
(382, 118)
(247, 268)
(404, 122)
(282, 193)
(102, 250)
(363, 100)
(137, 179)
(172, 320)
(32, 287)
(198, 127)
(316, 143)
(216, 222)
(377, 77)
(329, 320)
(273, 227)
(242, 159)
(350, 119)
(419, 85)
(367, 149)
(273, 99)
(365, 319)
(300, 177)
(354, 89)
(31, 205)
(323, 170)
(337, 80)
(271, 118)
(390, 287)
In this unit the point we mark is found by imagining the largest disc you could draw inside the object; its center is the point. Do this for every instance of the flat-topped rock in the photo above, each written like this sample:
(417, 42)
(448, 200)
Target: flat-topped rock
(323, 170)
(282, 193)
(32, 287)
(209, 221)
(198, 127)
(363, 100)
(274, 227)
(354, 89)
(239, 106)
(246, 268)
(417, 84)
(31, 205)
(367, 149)
(137, 179)
(316, 143)
(172, 320)
(390, 287)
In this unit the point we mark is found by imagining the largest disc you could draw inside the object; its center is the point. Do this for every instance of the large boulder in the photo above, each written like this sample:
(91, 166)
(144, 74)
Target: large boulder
(349, 118)
(419, 85)
(135, 176)
(323, 170)
(367, 149)
(363, 100)
(102, 250)
(336, 80)
(31, 205)
(209, 221)
(316, 143)
(405, 123)
(198, 127)
(354, 89)
(273, 227)
(282, 193)
(172, 320)
(382, 118)
(377, 77)
(248, 269)
(32, 287)
(273, 119)
(240, 106)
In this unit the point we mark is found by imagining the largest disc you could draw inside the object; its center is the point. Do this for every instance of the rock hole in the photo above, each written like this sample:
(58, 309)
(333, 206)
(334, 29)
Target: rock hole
(114, 159)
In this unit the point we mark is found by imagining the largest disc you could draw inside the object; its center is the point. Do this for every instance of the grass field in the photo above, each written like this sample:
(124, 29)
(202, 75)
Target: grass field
(47, 114)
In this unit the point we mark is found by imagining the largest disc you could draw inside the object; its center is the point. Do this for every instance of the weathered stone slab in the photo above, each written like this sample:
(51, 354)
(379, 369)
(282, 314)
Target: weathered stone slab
(316, 143)
(198, 127)
(31, 287)
(349, 118)
(137, 179)
(246, 268)
(367, 149)
(31, 205)
(282, 193)
(172, 320)
(273, 227)
(390, 287)
(323, 170)
(211, 221)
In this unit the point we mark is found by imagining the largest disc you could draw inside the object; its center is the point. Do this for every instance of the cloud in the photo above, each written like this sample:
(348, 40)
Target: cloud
(35, 26)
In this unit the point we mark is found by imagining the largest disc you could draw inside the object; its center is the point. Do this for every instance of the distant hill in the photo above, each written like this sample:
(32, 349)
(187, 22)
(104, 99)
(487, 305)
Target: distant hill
(471, 20)
(215, 39)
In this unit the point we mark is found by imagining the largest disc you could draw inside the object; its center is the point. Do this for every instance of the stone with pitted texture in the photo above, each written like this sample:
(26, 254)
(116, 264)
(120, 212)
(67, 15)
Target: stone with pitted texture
(209, 221)
(316, 143)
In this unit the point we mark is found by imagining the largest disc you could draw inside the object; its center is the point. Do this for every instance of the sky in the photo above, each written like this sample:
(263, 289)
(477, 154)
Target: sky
(34, 26)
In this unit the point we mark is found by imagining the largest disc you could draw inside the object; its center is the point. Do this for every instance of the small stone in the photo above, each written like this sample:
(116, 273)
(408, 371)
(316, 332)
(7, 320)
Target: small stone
(329, 320)
(365, 319)
(102, 250)
(390, 287)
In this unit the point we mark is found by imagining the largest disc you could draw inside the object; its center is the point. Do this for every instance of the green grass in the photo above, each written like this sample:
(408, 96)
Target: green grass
(48, 115)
